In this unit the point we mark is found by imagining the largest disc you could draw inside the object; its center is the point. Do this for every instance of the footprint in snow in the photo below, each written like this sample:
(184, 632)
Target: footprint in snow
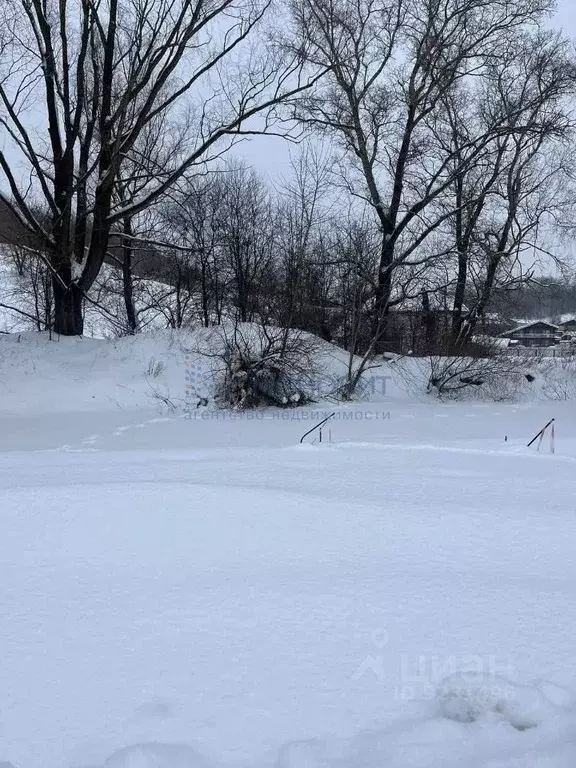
(155, 708)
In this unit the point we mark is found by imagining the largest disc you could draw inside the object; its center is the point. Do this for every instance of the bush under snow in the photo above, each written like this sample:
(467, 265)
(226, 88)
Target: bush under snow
(467, 698)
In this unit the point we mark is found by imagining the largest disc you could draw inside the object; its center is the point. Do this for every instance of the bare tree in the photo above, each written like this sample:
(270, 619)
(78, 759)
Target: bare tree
(301, 267)
(245, 220)
(505, 202)
(356, 249)
(26, 293)
(157, 147)
(195, 268)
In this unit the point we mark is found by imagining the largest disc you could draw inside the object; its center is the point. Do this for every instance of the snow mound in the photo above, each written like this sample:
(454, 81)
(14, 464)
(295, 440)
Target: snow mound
(466, 699)
(302, 754)
(156, 755)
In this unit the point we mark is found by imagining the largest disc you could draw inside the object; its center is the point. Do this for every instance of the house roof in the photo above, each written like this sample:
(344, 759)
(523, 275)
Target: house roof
(519, 328)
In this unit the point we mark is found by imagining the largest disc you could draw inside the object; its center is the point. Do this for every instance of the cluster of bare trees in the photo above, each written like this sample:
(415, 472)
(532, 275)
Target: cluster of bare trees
(229, 246)
(131, 95)
(452, 119)
(437, 160)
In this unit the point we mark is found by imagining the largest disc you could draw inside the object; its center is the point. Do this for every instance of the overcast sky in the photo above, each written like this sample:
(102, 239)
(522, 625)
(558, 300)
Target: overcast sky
(567, 15)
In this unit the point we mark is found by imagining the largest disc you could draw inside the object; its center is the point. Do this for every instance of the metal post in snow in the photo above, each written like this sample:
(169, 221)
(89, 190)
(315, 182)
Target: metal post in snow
(541, 433)
(317, 426)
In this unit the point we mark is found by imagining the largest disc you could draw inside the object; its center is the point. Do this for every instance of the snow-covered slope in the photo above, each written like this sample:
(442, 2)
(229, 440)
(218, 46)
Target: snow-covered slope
(63, 374)
(205, 591)
(39, 375)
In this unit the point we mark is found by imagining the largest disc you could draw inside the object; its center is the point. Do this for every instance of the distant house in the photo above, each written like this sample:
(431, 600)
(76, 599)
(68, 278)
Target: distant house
(536, 334)
(492, 324)
(568, 328)
(419, 323)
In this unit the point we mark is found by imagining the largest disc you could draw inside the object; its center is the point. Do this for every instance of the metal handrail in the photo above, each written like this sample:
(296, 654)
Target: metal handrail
(317, 426)
(540, 433)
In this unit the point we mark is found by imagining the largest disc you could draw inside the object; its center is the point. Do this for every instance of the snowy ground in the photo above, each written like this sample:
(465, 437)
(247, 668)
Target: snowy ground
(180, 593)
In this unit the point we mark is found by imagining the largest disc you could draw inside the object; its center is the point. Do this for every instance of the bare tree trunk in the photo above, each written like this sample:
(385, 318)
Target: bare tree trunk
(68, 306)
(205, 293)
(429, 323)
(382, 298)
(459, 294)
(462, 249)
(127, 281)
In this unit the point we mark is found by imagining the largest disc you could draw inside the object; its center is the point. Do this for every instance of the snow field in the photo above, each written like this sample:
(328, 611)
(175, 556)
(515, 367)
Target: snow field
(209, 593)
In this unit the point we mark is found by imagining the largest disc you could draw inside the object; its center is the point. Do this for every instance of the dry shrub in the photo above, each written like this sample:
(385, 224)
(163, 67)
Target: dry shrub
(262, 366)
